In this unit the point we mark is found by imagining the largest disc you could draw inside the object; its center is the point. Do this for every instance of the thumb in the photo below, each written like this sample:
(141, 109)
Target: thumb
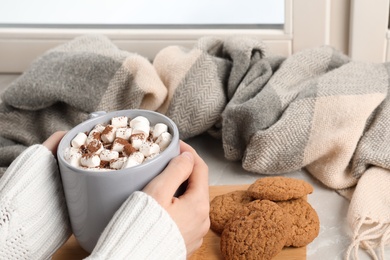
(164, 186)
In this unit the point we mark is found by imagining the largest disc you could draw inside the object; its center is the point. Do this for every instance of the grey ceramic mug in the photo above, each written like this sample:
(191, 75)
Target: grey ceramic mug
(93, 197)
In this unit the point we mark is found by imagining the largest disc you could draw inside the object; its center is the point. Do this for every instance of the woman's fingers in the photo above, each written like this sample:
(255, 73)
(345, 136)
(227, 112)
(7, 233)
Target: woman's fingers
(198, 181)
(191, 210)
(52, 142)
(166, 184)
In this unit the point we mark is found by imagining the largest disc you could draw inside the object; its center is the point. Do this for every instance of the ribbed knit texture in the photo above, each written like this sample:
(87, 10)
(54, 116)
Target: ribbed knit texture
(140, 229)
(33, 215)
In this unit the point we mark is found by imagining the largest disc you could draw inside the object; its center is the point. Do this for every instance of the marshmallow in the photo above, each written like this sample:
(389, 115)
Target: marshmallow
(72, 155)
(95, 147)
(119, 121)
(119, 144)
(140, 125)
(128, 150)
(164, 140)
(158, 129)
(139, 119)
(137, 140)
(136, 143)
(151, 157)
(141, 129)
(108, 155)
(79, 140)
(148, 149)
(118, 163)
(93, 135)
(130, 162)
(123, 132)
(99, 128)
(137, 156)
(108, 134)
(134, 159)
(90, 161)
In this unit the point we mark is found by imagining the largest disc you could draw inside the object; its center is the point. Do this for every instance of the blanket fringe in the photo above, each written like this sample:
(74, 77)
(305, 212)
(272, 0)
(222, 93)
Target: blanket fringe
(369, 235)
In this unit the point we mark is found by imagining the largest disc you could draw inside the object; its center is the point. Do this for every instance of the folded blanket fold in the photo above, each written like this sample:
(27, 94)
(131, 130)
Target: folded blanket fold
(316, 109)
(204, 79)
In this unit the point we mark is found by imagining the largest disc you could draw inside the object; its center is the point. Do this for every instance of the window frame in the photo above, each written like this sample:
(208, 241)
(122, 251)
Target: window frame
(20, 46)
(369, 32)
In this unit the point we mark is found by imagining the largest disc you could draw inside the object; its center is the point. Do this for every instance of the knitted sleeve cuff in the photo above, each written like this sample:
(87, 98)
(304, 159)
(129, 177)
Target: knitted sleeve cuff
(33, 215)
(34, 163)
(140, 229)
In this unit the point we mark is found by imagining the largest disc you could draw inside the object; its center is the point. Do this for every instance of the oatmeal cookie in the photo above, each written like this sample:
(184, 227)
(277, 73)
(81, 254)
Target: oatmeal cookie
(258, 231)
(222, 208)
(279, 188)
(305, 222)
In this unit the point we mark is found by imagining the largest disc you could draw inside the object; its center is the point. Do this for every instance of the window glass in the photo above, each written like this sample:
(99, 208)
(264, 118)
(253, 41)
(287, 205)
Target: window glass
(142, 13)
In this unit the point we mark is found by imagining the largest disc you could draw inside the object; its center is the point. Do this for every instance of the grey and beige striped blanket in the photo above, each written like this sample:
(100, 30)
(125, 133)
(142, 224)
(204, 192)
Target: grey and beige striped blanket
(316, 109)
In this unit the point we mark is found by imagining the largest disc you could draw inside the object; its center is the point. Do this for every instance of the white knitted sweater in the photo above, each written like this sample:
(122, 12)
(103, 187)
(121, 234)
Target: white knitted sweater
(34, 220)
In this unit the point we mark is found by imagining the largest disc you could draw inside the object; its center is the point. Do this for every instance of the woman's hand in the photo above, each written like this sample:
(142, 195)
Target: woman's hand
(53, 141)
(190, 211)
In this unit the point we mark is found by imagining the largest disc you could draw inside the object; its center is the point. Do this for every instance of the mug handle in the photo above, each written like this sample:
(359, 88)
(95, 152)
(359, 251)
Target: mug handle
(96, 114)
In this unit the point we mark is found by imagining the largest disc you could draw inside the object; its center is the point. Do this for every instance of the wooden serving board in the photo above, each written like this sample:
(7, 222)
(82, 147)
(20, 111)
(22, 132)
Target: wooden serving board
(208, 251)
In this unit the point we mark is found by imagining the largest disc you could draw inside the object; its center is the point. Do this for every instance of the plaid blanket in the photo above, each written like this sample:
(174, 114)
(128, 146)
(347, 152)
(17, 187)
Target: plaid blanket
(316, 110)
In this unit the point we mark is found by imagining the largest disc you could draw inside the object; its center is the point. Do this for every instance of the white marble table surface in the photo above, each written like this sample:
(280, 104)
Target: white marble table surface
(332, 208)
